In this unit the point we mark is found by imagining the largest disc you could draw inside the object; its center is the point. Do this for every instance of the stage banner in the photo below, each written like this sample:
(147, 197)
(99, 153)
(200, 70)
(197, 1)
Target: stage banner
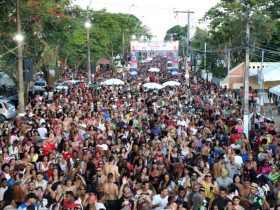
(175, 63)
(133, 63)
(154, 46)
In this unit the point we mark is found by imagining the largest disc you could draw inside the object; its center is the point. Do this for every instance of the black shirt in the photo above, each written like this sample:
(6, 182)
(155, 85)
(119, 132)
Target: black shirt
(221, 203)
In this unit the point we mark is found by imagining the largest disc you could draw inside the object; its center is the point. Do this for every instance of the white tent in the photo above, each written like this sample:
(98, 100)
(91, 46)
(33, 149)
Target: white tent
(153, 85)
(113, 82)
(270, 73)
(154, 70)
(171, 83)
(275, 90)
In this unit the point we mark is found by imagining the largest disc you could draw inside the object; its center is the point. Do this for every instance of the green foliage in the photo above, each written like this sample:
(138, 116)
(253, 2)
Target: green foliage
(177, 33)
(227, 31)
(54, 33)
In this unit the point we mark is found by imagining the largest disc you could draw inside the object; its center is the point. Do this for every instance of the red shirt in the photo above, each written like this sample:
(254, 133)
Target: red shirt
(234, 137)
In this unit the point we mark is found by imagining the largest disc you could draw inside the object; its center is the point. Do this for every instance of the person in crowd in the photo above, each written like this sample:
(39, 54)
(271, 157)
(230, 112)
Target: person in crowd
(130, 146)
(160, 200)
(30, 201)
(221, 201)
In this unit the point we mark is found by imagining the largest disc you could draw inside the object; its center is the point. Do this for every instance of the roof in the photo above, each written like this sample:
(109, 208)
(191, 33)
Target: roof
(103, 61)
(238, 70)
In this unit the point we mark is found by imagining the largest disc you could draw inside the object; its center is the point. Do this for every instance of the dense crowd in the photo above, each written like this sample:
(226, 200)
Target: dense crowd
(128, 147)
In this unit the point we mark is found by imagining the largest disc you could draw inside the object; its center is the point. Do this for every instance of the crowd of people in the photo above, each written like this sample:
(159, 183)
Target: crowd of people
(127, 147)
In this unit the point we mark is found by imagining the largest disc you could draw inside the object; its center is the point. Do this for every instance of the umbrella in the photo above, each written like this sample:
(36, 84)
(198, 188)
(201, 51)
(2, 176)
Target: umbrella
(171, 83)
(153, 85)
(154, 70)
(113, 82)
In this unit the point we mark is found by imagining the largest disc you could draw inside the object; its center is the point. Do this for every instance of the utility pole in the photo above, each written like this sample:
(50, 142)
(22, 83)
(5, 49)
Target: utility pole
(188, 44)
(205, 48)
(228, 64)
(123, 45)
(172, 39)
(88, 25)
(89, 60)
(21, 103)
(246, 74)
(260, 82)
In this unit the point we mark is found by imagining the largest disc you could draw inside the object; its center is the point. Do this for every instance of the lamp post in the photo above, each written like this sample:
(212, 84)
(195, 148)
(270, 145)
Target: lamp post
(88, 26)
(123, 36)
(19, 39)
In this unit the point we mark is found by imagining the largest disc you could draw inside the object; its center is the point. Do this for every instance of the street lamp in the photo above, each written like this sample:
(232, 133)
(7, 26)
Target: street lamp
(88, 26)
(19, 38)
(123, 35)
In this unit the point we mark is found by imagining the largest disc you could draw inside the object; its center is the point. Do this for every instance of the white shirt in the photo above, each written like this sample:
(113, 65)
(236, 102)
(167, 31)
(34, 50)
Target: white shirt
(103, 146)
(101, 127)
(42, 132)
(99, 206)
(238, 160)
(2, 192)
(43, 185)
(157, 199)
(182, 123)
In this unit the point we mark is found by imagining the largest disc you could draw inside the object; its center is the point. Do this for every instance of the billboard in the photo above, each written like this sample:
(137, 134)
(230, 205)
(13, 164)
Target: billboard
(154, 46)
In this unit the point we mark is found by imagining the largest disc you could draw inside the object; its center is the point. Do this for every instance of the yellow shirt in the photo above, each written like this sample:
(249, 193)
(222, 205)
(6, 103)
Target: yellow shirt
(209, 193)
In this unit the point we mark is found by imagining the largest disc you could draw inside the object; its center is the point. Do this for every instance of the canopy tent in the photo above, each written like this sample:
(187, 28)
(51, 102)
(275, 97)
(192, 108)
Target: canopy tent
(275, 90)
(270, 73)
(171, 83)
(113, 82)
(153, 85)
(154, 70)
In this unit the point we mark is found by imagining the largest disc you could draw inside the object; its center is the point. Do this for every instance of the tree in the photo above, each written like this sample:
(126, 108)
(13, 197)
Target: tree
(177, 33)
(227, 31)
(55, 33)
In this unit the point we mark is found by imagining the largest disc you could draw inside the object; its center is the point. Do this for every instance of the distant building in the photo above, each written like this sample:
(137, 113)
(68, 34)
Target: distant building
(235, 78)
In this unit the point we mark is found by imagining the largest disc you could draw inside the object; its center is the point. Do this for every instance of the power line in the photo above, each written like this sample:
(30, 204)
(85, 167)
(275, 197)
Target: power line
(267, 50)
(218, 51)
(9, 51)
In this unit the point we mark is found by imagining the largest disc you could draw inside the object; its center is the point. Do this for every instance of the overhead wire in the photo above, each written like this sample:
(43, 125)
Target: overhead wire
(11, 50)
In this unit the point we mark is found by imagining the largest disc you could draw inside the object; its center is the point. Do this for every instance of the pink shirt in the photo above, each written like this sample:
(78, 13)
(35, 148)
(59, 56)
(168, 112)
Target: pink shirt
(265, 170)
(239, 128)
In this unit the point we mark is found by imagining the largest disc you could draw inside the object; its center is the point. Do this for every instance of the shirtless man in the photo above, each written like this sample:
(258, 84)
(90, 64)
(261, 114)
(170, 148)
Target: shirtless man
(112, 190)
(112, 168)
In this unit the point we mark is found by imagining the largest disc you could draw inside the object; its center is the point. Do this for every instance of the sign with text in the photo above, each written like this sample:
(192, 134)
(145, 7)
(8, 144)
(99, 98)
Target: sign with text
(154, 46)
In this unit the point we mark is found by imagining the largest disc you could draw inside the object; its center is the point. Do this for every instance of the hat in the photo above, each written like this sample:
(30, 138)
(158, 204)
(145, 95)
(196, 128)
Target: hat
(209, 140)
(202, 189)
(31, 195)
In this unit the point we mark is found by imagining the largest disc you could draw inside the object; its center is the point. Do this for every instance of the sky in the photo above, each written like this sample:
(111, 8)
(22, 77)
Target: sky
(158, 15)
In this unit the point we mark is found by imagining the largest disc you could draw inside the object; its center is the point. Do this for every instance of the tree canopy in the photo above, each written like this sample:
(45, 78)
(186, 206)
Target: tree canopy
(227, 33)
(55, 36)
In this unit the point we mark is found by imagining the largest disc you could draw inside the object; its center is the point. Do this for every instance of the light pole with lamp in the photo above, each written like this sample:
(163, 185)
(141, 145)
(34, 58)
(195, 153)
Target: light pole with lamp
(19, 39)
(123, 38)
(88, 26)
